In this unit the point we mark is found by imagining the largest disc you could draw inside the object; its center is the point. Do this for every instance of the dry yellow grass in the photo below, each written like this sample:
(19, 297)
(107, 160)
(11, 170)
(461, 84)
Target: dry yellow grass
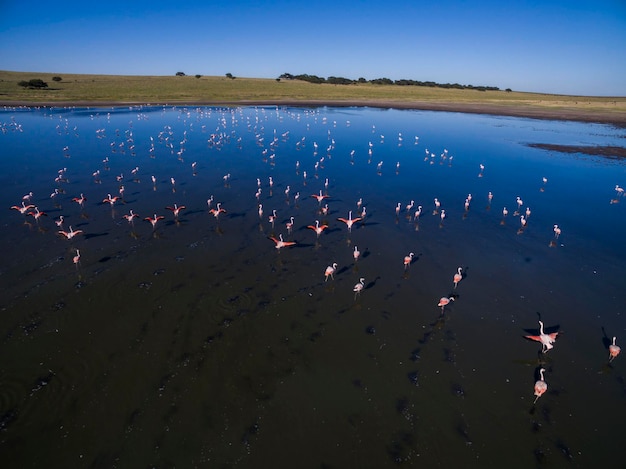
(94, 89)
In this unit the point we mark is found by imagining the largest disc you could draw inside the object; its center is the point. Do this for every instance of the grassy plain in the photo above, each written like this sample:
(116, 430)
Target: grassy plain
(76, 89)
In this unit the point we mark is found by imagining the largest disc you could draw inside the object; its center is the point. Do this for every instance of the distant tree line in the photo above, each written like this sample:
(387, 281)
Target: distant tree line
(383, 81)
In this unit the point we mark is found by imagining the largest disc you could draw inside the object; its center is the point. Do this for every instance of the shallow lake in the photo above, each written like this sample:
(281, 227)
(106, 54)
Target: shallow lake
(197, 342)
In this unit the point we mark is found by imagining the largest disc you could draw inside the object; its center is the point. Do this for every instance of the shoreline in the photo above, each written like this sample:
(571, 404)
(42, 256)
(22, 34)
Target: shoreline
(617, 119)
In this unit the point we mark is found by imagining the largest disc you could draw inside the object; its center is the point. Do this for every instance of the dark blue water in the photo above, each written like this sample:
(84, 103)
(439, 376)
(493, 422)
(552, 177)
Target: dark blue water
(197, 343)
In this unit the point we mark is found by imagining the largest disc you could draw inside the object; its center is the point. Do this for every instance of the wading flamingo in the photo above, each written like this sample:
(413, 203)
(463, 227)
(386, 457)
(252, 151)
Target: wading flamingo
(216, 211)
(444, 301)
(317, 228)
(80, 200)
(546, 339)
(350, 221)
(614, 350)
(23, 209)
(154, 220)
(540, 386)
(358, 288)
(70, 234)
(330, 271)
(458, 276)
(280, 243)
(176, 210)
(407, 260)
(110, 200)
(130, 216)
(36, 214)
(320, 197)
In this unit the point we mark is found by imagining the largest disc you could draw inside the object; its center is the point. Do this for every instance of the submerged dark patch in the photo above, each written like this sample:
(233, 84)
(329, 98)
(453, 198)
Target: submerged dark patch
(596, 150)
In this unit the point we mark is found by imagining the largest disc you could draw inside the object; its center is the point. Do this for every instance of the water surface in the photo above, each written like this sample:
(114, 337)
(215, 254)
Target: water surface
(197, 343)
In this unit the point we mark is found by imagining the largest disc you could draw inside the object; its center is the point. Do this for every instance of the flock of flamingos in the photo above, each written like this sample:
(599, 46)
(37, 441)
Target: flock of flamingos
(28, 209)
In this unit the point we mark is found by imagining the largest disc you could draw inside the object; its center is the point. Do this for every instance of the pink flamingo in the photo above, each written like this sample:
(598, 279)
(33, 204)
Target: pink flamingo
(317, 228)
(130, 216)
(70, 234)
(289, 225)
(356, 254)
(23, 209)
(320, 197)
(407, 260)
(444, 301)
(614, 350)
(358, 288)
(176, 209)
(458, 276)
(216, 211)
(280, 243)
(37, 214)
(540, 386)
(110, 200)
(80, 200)
(546, 339)
(350, 221)
(154, 220)
(330, 271)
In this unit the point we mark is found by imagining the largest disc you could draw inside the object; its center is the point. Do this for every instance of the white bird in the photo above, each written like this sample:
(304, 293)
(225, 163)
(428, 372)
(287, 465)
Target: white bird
(356, 253)
(330, 271)
(614, 350)
(546, 339)
(445, 301)
(407, 260)
(540, 386)
(359, 287)
(458, 276)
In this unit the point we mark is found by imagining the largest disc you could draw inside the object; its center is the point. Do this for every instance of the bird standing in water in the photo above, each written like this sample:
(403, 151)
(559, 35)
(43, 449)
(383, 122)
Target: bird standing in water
(330, 272)
(280, 243)
(71, 233)
(356, 253)
(407, 260)
(444, 301)
(546, 339)
(458, 276)
(540, 386)
(176, 210)
(154, 220)
(349, 221)
(317, 228)
(614, 350)
(359, 287)
(216, 211)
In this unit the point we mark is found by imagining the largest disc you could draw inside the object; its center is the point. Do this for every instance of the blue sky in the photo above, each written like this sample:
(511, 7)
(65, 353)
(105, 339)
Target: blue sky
(565, 47)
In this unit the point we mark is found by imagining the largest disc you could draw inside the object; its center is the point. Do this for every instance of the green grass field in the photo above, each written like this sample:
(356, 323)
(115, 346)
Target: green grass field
(222, 90)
